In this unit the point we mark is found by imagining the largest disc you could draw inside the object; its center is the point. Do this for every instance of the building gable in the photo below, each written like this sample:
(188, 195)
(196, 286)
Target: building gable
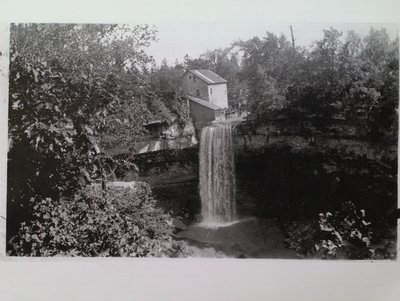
(207, 86)
(206, 76)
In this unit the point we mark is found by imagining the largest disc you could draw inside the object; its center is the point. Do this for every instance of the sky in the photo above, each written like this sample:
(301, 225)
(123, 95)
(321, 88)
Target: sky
(175, 40)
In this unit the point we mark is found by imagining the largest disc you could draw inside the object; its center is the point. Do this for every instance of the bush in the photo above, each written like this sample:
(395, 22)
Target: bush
(116, 222)
(343, 235)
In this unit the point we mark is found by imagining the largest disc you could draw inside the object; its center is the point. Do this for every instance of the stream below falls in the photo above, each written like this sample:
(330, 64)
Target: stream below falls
(244, 238)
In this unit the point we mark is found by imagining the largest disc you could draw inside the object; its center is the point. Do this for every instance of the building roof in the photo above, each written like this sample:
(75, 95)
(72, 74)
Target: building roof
(204, 103)
(208, 76)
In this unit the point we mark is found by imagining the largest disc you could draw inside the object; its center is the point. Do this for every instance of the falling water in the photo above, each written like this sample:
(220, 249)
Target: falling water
(217, 174)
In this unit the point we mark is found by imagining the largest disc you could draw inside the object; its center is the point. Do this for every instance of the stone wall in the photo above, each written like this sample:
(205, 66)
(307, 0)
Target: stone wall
(339, 137)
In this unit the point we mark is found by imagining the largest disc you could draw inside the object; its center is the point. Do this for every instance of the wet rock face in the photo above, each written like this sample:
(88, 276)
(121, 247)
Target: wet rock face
(284, 169)
(301, 136)
(280, 180)
(163, 162)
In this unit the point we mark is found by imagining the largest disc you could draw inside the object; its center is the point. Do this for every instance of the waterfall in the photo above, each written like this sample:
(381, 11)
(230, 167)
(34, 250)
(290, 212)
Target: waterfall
(217, 174)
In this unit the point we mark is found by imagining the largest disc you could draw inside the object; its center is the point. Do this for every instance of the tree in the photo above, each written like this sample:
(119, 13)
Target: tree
(381, 66)
(165, 83)
(353, 79)
(268, 68)
(66, 81)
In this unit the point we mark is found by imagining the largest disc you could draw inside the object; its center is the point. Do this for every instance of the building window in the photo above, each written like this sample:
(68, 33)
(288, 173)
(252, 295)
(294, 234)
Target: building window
(198, 92)
(190, 77)
(210, 91)
(194, 79)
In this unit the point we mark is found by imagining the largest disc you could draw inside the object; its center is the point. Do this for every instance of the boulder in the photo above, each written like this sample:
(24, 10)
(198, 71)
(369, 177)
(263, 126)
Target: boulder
(178, 224)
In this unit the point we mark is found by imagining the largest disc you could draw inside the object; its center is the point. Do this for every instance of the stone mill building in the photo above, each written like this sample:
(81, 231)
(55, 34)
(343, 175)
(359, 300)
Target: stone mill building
(207, 96)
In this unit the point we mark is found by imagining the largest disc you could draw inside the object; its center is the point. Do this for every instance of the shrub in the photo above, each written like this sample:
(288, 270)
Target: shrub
(345, 234)
(116, 222)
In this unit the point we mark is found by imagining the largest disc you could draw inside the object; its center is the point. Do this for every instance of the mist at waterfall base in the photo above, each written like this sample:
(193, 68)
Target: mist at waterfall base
(217, 183)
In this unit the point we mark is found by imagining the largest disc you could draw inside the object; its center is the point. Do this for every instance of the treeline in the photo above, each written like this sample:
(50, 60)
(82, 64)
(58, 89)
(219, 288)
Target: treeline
(341, 77)
(344, 78)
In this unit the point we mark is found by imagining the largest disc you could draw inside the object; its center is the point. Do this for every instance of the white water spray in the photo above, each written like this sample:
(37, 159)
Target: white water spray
(217, 175)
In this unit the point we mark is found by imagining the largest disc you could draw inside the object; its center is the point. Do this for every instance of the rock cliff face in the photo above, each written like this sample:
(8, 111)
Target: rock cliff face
(284, 170)
(339, 137)
(163, 138)
(173, 177)
(281, 171)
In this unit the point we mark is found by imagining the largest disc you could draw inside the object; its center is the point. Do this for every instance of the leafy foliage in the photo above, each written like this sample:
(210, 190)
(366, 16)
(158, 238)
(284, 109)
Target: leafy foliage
(352, 79)
(345, 234)
(68, 83)
(165, 82)
(117, 222)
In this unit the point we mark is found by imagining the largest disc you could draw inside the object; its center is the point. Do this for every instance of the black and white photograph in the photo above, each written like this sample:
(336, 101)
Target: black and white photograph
(127, 141)
(201, 150)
